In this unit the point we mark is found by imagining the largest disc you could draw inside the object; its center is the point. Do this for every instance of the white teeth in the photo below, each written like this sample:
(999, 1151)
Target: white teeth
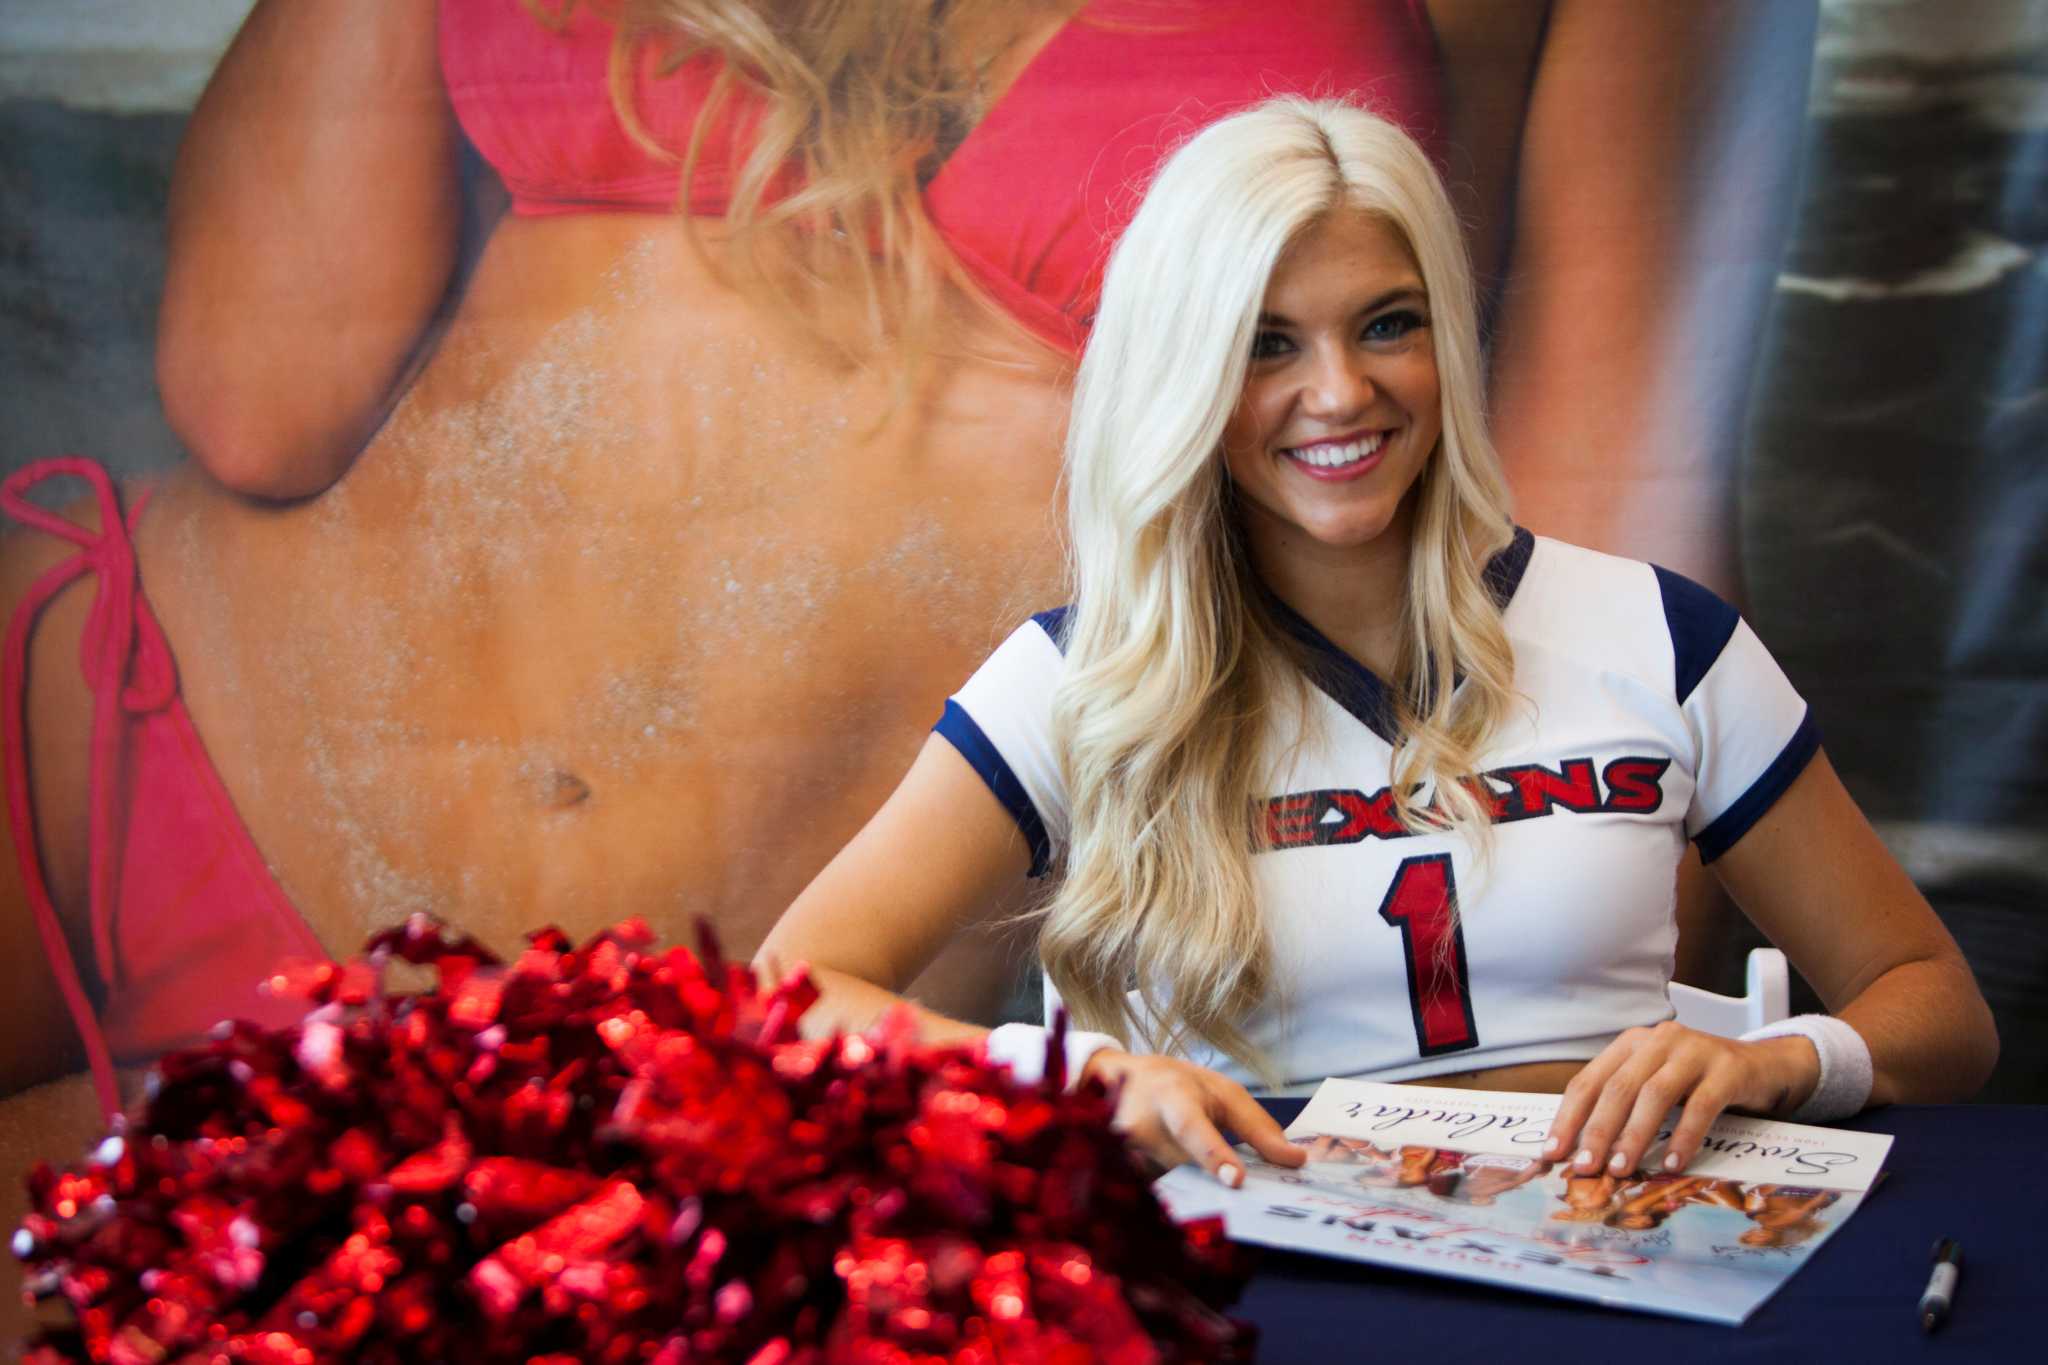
(1333, 457)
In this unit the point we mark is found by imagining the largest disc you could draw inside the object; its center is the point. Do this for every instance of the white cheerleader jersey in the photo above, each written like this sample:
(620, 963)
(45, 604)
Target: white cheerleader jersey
(1650, 714)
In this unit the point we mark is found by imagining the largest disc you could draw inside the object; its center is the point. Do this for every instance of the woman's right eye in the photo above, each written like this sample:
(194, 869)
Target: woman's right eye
(1266, 345)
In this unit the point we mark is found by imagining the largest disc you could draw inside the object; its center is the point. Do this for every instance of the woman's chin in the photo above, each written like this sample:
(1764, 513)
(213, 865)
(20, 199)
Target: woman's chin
(1356, 529)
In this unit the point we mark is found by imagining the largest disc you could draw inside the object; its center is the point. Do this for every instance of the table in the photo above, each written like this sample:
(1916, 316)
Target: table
(1978, 1173)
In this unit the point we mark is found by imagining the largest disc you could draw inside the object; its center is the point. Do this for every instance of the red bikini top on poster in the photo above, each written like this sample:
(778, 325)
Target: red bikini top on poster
(1032, 199)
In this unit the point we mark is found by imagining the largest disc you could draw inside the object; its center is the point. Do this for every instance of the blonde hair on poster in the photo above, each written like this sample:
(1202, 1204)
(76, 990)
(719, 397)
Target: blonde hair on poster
(862, 101)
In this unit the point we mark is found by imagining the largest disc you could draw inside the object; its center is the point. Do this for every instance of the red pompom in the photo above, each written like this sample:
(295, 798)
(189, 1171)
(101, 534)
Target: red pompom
(609, 1153)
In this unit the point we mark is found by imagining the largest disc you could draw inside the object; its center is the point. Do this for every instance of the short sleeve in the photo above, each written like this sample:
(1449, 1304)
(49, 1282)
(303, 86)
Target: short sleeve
(1751, 731)
(1001, 722)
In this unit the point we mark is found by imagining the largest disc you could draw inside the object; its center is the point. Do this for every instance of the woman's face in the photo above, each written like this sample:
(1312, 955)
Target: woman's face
(1340, 407)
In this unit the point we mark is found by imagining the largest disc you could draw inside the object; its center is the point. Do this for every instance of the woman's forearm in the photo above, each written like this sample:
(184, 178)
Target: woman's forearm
(1931, 1036)
(847, 1004)
(313, 230)
(1817, 880)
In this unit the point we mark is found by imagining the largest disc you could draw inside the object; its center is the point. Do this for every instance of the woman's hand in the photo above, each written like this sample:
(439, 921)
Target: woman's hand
(1614, 1108)
(1172, 1110)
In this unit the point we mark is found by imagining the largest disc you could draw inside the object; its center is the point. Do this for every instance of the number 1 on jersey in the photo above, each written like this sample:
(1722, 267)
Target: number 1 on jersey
(1422, 904)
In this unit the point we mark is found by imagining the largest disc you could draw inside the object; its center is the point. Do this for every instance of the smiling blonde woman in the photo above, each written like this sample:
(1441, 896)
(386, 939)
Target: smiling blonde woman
(1338, 772)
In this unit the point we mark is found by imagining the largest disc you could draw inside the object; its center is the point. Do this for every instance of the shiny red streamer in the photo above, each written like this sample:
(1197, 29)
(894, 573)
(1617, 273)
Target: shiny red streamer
(616, 1154)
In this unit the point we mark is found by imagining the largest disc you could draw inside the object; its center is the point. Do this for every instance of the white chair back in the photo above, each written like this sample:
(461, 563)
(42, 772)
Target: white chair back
(1766, 998)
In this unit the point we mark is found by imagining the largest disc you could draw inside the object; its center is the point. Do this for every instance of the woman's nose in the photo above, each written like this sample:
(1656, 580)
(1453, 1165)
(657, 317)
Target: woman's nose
(1338, 384)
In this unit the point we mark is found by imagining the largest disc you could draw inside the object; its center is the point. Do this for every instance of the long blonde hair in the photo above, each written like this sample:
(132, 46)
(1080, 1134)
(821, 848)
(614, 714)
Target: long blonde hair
(1178, 674)
(849, 107)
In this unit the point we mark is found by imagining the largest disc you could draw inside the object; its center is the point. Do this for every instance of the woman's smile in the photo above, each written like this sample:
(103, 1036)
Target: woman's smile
(1340, 457)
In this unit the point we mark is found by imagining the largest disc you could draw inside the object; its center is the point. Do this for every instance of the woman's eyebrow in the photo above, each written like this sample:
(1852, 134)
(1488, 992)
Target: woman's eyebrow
(1403, 293)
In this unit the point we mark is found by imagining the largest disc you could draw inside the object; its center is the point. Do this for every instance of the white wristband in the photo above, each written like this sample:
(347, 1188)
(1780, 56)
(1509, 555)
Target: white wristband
(1023, 1048)
(1845, 1072)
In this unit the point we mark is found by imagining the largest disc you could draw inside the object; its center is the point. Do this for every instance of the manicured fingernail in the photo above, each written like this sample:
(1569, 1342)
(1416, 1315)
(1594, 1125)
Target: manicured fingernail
(1617, 1163)
(1671, 1161)
(1553, 1147)
(1584, 1160)
(1231, 1175)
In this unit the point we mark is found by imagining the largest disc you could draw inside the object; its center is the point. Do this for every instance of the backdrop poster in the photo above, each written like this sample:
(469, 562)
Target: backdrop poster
(615, 589)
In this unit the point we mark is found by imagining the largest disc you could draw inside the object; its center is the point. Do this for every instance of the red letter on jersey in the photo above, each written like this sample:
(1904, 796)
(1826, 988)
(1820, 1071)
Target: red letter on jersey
(1633, 784)
(1291, 820)
(1335, 816)
(1540, 790)
(1422, 904)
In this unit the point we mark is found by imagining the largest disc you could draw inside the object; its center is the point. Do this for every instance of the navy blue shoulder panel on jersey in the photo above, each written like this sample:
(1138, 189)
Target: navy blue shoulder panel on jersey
(1700, 624)
(1054, 624)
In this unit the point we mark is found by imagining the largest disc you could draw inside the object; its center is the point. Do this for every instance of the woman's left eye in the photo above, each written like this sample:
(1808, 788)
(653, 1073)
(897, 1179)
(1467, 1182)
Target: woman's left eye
(1395, 325)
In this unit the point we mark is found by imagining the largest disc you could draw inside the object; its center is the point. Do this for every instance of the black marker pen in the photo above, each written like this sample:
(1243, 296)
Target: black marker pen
(1941, 1285)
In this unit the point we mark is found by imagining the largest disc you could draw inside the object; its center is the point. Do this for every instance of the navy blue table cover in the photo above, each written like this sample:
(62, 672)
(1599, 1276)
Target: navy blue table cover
(1978, 1173)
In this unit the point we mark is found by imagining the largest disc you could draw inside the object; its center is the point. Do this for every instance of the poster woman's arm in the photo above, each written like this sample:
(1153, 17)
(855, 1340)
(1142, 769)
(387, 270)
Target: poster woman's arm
(1655, 179)
(314, 221)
